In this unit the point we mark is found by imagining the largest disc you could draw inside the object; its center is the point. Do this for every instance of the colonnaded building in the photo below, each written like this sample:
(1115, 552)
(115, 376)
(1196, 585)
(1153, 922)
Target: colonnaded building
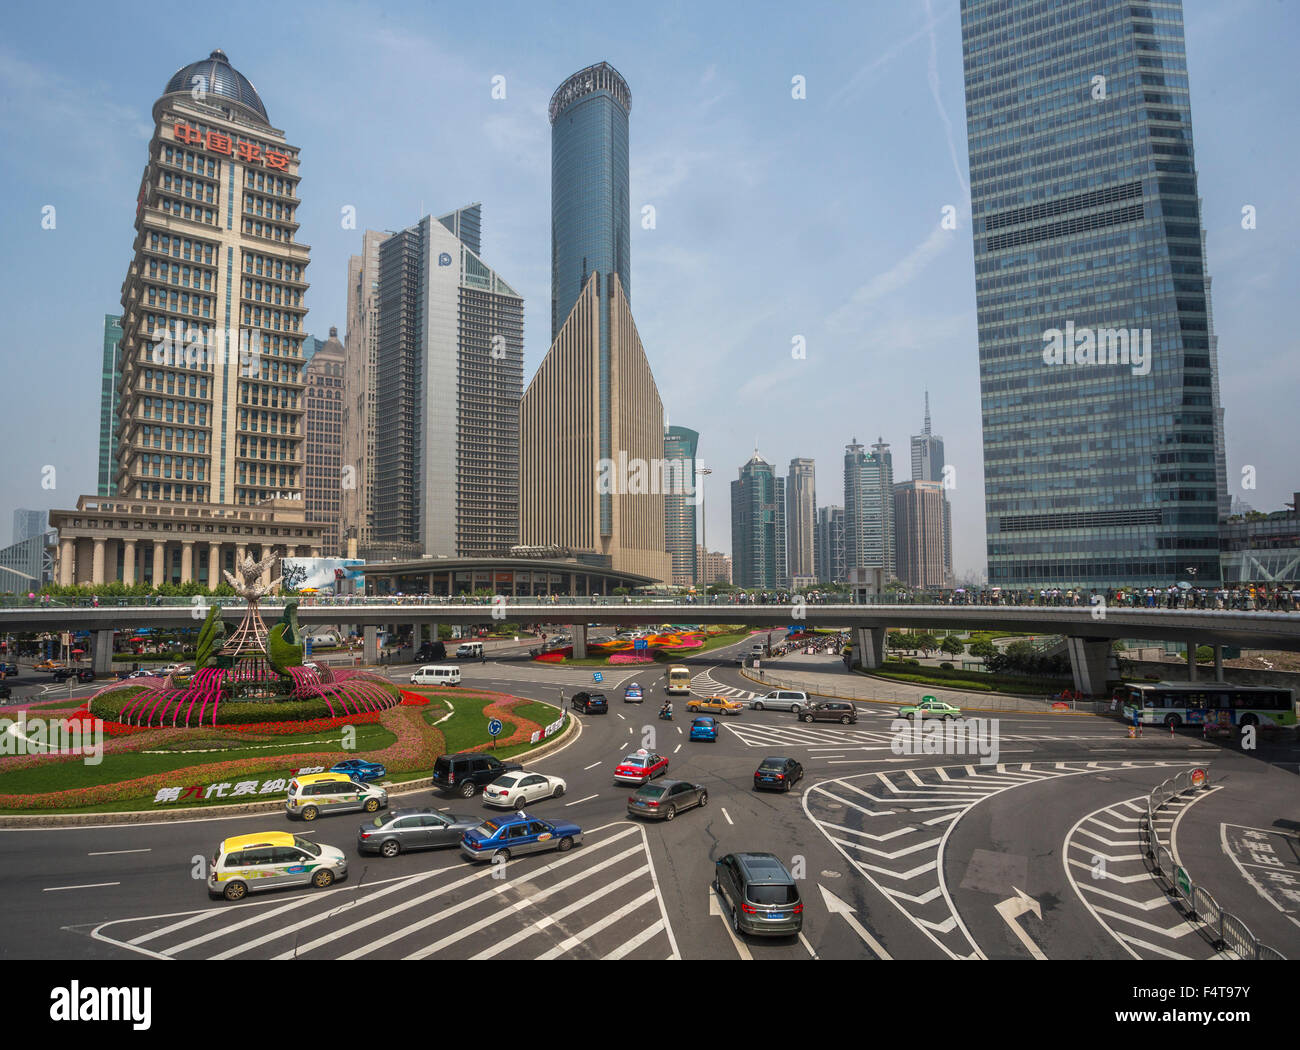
(208, 458)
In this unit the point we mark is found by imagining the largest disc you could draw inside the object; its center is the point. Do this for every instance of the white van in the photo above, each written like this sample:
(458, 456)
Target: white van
(436, 674)
(469, 649)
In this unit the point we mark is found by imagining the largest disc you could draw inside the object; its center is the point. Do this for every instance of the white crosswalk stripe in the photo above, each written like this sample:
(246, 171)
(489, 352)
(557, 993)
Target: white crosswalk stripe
(541, 674)
(598, 900)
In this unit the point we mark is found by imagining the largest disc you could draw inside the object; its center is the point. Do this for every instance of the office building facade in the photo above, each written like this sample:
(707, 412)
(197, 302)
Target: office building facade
(715, 567)
(869, 508)
(830, 545)
(28, 523)
(322, 472)
(1103, 430)
(448, 381)
(106, 484)
(919, 533)
(801, 518)
(592, 415)
(680, 446)
(758, 526)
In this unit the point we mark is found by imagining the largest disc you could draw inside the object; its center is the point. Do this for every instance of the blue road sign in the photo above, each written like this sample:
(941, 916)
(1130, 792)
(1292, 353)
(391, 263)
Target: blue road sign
(596, 676)
(640, 643)
(494, 727)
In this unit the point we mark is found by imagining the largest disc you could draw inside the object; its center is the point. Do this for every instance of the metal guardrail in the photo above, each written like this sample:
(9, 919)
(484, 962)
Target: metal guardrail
(1226, 930)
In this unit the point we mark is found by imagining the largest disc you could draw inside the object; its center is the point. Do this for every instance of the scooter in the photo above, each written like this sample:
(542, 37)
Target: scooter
(666, 714)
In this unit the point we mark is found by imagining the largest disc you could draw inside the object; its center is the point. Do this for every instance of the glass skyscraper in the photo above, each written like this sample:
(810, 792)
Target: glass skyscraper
(758, 526)
(680, 447)
(110, 373)
(869, 507)
(1103, 435)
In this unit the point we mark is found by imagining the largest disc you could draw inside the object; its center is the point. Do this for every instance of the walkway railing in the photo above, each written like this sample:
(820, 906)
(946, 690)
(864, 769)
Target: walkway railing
(1226, 930)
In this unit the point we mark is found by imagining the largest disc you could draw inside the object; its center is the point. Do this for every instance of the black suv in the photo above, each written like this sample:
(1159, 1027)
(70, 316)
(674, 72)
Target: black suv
(82, 674)
(778, 773)
(469, 771)
(830, 711)
(591, 703)
(431, 651)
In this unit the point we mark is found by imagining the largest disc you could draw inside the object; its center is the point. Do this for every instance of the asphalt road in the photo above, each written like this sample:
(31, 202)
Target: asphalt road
(909, 856)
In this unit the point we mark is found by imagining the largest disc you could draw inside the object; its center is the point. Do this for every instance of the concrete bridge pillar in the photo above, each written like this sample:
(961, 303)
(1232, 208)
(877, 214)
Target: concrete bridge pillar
(370, 647)
(578, 632)
(101, 648)
(870, 645)
(1088, 662)
(417, 636)
(1218, 663)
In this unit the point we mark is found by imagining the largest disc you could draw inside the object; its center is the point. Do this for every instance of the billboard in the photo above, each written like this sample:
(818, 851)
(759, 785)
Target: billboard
(323, 575)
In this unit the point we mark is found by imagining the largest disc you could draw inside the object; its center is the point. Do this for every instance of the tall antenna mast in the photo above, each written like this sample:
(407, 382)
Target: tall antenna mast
(927, 412)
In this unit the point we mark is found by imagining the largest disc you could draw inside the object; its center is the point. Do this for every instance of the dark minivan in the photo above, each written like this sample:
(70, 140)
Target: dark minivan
(761, 897)
(469, 771)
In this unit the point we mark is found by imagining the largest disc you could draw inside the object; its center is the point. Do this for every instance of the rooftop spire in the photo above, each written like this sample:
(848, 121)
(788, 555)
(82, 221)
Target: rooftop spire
(927, 413)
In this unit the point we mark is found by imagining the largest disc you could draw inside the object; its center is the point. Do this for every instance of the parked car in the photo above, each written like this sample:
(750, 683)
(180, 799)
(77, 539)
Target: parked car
(780, 700)
(403, 830)
(9, 670)
(705, 728)
(830, 711)
(431, 652)
(590, 703)
(930, 709)
(272, 860)
(81, 674)
(360, 770)
(516, 790)
(507, 837)
(715, 704)
(640, 767)
(469, 650)
(777, 773)
(760, 895)
(142, 673)
(466, 772)
(663, 801)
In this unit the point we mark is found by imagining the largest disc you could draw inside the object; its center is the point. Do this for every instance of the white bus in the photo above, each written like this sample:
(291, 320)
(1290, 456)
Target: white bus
(1196, 703)
(679, 681)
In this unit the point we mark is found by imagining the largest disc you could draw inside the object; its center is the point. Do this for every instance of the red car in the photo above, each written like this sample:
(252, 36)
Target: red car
(640, 767)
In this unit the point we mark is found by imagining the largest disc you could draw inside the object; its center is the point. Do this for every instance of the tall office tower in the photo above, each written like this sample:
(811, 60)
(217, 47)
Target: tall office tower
(1103, 460)
(112, 365)
(29, 523)
(310, 345)
(361, 345)
(448, 378)
(927, 451)
(210, 408)
(869, 507)
(592, 413)
(830, 545)
(801, 518)
(758, 550)
(680, 446)
(324, 428)
(918, 536)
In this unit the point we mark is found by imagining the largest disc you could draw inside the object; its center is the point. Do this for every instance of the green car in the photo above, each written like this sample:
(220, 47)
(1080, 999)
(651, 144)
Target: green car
(929, 707)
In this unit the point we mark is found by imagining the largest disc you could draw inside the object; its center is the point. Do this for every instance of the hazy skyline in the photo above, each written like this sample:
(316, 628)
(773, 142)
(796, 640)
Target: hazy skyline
(775, 218)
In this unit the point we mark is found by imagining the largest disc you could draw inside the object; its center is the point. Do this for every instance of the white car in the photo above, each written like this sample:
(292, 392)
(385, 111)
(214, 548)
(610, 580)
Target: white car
(516, 790)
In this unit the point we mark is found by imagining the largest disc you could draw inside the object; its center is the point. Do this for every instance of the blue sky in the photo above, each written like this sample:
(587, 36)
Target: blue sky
(775, 217)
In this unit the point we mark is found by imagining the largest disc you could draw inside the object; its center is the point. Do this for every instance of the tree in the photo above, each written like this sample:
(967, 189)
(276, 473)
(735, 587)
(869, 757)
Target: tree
(926, 642)
(952, 645)
(983, 648)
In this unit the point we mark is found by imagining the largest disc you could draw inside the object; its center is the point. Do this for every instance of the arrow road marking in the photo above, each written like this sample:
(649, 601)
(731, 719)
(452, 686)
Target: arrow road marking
(838, 907)
(1011, 909)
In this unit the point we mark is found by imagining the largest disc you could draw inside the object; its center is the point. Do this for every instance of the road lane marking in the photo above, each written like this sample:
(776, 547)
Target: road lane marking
(572, 942)
(115, 852)
(587, 799)
(715, 908)
(804, 941)
(677, 748)
(87, 886)
(727, 815)
(592, 766)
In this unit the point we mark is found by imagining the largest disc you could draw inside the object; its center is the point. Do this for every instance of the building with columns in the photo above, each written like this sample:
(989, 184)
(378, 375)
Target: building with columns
(108, 540)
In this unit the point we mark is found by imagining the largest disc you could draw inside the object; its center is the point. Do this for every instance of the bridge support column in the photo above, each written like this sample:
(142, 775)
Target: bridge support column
(578, 632)
(1191, 661)
(1088, 661)
(417, 632)
(370, 647)
(101, 648)
(1218, 663)
(870, 645)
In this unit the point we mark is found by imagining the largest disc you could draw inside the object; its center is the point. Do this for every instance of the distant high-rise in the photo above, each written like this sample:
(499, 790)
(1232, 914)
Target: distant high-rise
(801, 518)
(869, 507)
(927, 451)
(592, 417)
(1103, 440)
(919, 533)
(448, 379)
(323, 473)
(758, 540)
(680, 446)
(310, 345)
(715, 566)
(108, 396)
(361, 346)
(830, 545)
(29, 523)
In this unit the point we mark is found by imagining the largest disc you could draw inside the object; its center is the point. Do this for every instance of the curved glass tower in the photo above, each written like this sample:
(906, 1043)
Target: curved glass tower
(590, 211)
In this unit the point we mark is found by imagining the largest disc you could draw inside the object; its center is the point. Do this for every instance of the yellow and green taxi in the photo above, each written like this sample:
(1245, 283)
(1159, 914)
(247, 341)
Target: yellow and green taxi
(271, 860)
(317, 793)
(715, 704)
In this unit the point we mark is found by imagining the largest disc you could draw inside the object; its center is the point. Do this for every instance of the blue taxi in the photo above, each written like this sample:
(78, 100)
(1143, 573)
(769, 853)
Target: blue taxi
(632, 694)
(517, 835)
(704, 729)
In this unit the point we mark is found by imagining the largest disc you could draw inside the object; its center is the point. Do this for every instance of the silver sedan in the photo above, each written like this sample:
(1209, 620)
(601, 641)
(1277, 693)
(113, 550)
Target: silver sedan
(663, 801)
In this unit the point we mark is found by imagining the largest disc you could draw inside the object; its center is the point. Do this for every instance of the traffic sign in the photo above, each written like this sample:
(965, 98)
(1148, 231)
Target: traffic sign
(596, 676)
(925, 698)
(640, 643)
(1183, 881)
(1198, 778)
(494, 727)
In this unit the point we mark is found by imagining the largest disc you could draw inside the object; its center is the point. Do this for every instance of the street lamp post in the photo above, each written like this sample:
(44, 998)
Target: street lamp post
(700, 474)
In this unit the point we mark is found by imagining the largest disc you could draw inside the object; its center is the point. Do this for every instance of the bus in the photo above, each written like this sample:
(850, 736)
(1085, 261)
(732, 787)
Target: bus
(1196, 703)
(679, 680)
